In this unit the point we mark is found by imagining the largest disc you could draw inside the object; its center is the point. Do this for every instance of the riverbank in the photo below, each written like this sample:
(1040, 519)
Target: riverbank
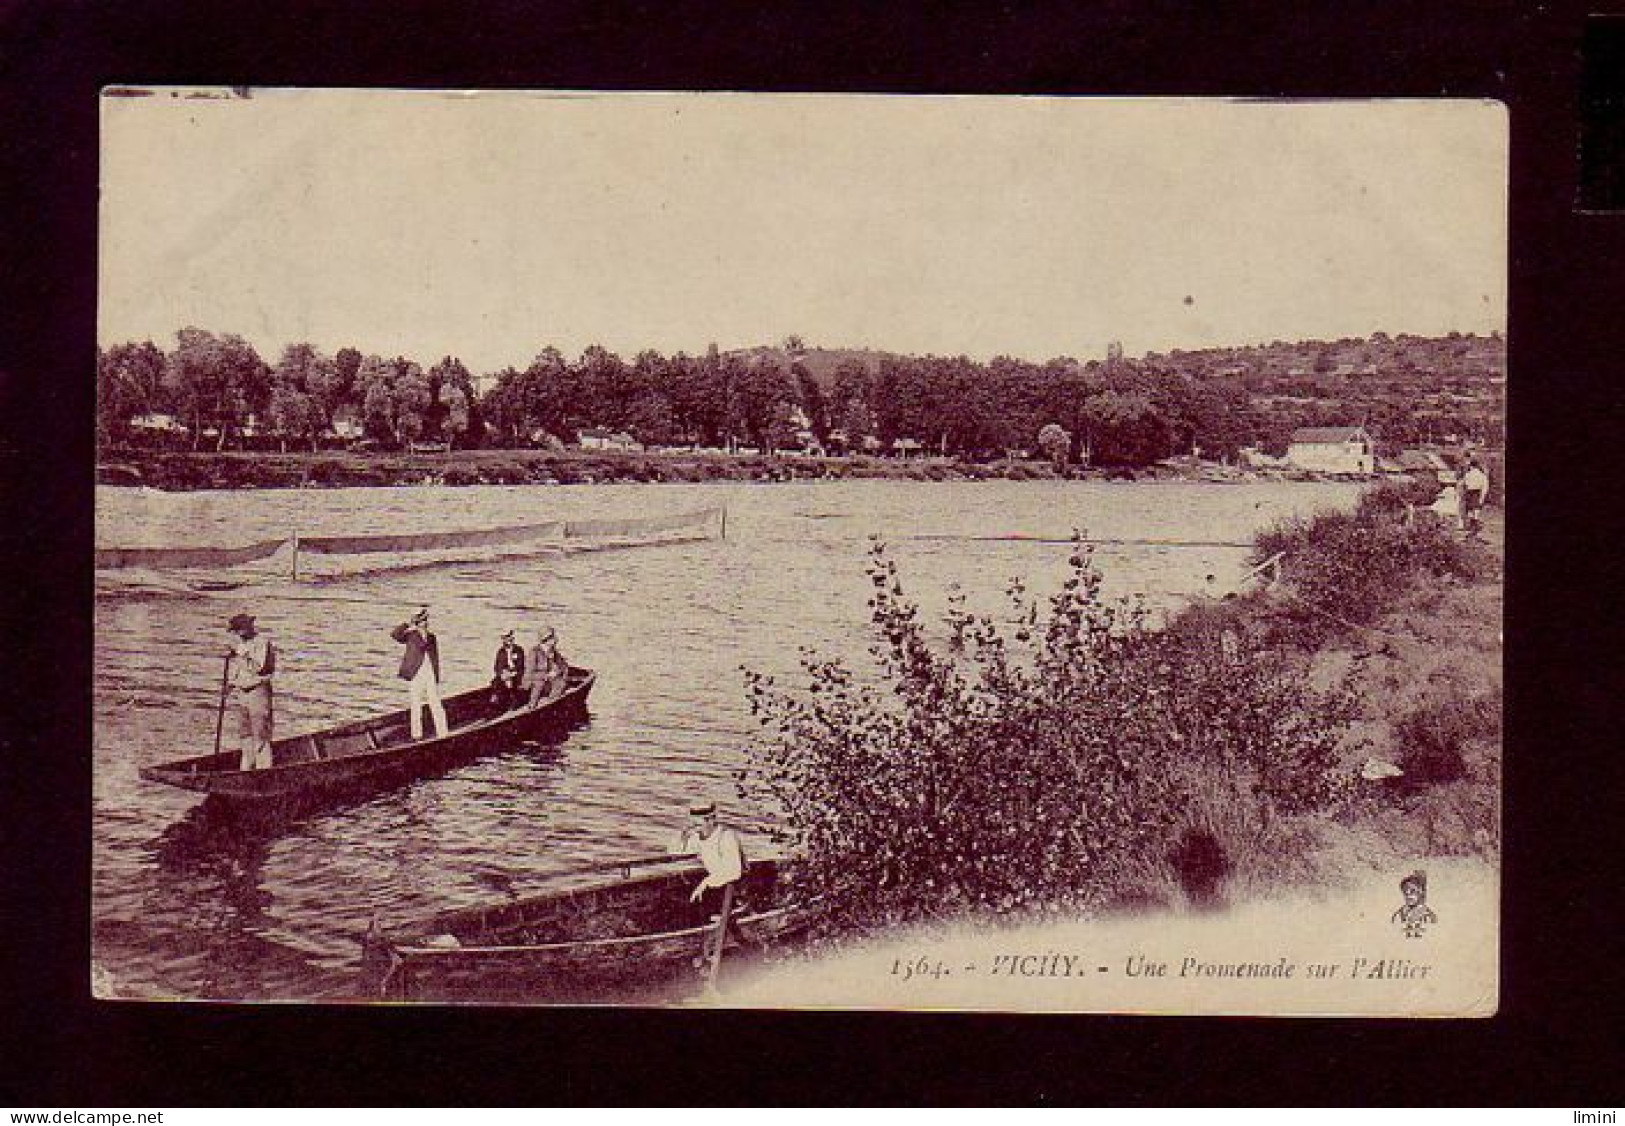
(1394, 628)
(179, 472)
(1423, 665)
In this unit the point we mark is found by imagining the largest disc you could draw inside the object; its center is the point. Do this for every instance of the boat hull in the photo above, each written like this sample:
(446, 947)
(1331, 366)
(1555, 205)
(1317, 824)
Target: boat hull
(595, 965)
(377, 753)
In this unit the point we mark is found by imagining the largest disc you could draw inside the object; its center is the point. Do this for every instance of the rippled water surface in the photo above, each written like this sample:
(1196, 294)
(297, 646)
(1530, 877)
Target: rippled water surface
(190, 905)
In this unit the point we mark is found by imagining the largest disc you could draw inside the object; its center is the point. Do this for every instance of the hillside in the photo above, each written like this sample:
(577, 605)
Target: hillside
(1406, 389)
(1456, 362)
(821, 363)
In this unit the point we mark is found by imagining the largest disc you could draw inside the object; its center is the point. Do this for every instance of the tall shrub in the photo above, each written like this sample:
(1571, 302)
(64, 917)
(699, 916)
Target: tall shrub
(993, 770)
(1348, 568)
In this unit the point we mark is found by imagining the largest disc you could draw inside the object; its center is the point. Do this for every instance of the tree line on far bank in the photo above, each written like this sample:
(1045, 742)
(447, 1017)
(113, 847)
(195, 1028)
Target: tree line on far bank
(1111, 411)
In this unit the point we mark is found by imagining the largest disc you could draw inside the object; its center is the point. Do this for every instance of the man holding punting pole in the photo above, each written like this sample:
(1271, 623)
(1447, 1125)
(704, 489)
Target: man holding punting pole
(420, 668)
(719, 849)
(249, 664)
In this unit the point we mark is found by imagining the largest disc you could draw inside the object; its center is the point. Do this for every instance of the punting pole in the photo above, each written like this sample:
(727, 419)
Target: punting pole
(220, 714)
(724, 521)
(296, 557)
(721, 936)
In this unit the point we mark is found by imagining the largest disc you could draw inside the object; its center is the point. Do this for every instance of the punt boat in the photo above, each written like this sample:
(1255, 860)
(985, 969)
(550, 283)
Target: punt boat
(609, 934)
(377, 752)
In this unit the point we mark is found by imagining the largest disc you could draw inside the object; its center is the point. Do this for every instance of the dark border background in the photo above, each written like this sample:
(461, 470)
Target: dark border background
(1562, 957)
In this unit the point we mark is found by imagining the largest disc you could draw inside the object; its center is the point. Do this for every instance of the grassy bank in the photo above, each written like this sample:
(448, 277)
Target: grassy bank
(176, 471)
(1406, 621)
(180, 471)
(1083, 761)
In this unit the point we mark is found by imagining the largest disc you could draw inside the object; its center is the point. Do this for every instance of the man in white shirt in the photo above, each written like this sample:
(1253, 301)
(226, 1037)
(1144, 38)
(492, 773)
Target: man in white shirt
(252, 661)
(1475, 484)
(718, 848)
(420, 668)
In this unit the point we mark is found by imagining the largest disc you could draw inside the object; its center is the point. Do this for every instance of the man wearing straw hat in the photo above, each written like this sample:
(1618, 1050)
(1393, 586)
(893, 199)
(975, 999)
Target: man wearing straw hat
(420, 668)
(719, 850)
(723, 856)
(250, 663)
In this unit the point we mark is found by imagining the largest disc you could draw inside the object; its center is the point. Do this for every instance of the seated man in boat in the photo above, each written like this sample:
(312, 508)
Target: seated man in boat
(420, 668)
(251, 662)
(547, 672)
(719, 849)
(508, 674)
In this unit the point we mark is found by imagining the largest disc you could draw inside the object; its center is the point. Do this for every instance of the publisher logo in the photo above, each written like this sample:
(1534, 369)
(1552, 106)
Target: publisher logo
(1414, 915)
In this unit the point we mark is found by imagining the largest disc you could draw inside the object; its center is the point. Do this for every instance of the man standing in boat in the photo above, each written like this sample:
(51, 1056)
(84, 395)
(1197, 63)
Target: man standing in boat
(547, 672)
(718, 848)
(420, 668)
(508, 674)
(251, 662)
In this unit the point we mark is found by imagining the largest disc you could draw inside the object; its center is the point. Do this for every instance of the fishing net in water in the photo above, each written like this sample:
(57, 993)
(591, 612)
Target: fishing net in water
(642, 527)
(326, 557)
(172, 558)
(431, 541)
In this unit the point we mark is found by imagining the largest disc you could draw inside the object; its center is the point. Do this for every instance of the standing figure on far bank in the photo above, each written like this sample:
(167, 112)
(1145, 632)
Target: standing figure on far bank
(252, 662)
(1475, 485)
(420, 668)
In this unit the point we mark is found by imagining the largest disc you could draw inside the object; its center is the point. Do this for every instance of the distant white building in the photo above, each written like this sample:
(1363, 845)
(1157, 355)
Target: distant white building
(596, 439)
(158, 423)
(1333, 449)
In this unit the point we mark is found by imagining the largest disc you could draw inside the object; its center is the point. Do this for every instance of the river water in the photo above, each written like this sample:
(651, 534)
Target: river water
(189, 906)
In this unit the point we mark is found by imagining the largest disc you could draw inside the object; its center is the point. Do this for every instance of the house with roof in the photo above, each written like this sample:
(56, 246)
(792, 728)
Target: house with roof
(1333, 449)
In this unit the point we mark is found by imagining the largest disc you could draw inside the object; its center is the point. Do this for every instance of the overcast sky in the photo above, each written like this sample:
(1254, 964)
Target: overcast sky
(489, 226)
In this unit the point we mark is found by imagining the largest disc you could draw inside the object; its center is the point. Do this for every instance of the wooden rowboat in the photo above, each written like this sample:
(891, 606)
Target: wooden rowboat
(373, 753)
(621, 937)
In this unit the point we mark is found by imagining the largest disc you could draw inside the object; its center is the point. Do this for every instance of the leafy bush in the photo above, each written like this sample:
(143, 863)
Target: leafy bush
(1435, 738)
(985, 773)
(1346, 569)
(1392, 498)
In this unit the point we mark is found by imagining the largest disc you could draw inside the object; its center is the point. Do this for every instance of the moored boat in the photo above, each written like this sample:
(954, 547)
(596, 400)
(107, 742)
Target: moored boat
(377, 752)
(605, 935)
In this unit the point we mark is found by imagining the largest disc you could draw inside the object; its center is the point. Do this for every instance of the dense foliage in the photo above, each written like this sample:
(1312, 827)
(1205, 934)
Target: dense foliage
(1051, 765)
(1347, 568)
(1115, 411)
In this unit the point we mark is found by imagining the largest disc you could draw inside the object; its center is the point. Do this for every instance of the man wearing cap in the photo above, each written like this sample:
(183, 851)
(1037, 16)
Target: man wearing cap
(508, 672)
(251, 661)
(420, 668)
(547, 672)
(719, 850)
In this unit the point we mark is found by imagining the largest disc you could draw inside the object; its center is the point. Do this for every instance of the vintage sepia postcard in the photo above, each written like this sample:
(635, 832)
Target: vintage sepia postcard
(992, 553)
